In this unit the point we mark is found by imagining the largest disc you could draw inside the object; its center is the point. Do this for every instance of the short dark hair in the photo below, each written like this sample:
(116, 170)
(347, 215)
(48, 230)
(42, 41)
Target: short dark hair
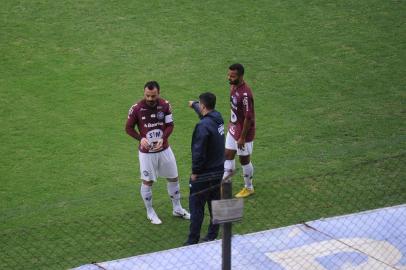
(238, 67)
(151, 85)
(208, 100)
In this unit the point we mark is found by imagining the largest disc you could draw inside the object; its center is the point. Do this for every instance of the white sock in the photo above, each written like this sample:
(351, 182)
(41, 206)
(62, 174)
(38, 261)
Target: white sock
(174, 193)
(229, 167)
(146, 194)
(248, 172)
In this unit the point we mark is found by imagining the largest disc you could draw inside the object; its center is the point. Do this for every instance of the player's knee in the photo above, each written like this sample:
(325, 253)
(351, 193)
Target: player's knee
(147, 183)
(173, 179)
(229, 154)
(244, 160)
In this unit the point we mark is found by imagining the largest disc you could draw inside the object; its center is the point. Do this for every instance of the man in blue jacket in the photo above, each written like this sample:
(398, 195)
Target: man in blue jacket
(207, 166)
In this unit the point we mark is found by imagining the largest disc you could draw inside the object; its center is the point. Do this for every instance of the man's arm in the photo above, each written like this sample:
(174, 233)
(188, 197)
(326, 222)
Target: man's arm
(195, 106)
(248, 111)
(169, 125)
(199, 146)
(246, 125)
(129, 128)
(167, 132)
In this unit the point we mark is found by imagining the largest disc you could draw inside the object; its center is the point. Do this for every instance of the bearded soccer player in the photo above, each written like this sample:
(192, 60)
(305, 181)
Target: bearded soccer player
(241, 129)
(153, 117)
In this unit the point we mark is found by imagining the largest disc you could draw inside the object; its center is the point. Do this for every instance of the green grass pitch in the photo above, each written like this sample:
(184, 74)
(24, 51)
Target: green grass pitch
(329, 84)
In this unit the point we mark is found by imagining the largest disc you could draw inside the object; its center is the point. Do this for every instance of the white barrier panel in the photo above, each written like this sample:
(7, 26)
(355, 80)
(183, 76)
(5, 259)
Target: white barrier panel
(368, 240)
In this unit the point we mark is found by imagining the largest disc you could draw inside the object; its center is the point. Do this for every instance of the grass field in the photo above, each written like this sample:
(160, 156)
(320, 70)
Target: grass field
(329, 84)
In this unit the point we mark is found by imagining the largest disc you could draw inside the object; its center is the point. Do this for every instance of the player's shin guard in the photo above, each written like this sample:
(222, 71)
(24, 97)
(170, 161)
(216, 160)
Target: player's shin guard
(248, 172)
(229, 167)
(146, 194)
(174, 193)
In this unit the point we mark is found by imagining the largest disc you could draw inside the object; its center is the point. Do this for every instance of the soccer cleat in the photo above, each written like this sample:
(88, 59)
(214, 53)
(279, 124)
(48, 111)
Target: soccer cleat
(245, 192)
(153, 217)
(181, 213)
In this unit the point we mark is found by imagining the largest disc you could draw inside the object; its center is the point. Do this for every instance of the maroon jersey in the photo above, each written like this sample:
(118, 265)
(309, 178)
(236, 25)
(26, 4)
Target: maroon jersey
(153, 123)
(242, 107)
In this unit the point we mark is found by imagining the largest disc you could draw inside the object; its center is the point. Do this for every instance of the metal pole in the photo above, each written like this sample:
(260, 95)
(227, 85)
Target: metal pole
(226, 193)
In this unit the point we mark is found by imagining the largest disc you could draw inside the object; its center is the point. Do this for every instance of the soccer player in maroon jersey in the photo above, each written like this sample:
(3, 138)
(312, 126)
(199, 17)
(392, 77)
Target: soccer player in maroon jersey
(241, 129)
(153, 117)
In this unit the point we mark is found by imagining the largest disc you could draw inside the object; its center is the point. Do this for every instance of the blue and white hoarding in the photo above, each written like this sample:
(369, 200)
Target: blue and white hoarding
(368, 240)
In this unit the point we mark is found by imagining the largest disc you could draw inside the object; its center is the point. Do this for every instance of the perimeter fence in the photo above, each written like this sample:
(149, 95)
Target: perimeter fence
(260, 241)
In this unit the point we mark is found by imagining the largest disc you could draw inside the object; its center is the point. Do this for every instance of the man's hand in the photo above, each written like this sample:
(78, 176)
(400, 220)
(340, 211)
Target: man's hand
(144, 143)
(193, 177)
(157, 145)
(241, 143)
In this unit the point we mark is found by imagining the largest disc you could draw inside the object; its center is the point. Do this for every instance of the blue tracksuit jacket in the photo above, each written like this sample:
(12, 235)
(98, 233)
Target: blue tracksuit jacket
(208, 143)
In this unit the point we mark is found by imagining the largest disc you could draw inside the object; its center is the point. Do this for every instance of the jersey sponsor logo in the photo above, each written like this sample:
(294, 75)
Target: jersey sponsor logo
(154, 135)
(153, 115)
(151, 125)
(160, 115)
